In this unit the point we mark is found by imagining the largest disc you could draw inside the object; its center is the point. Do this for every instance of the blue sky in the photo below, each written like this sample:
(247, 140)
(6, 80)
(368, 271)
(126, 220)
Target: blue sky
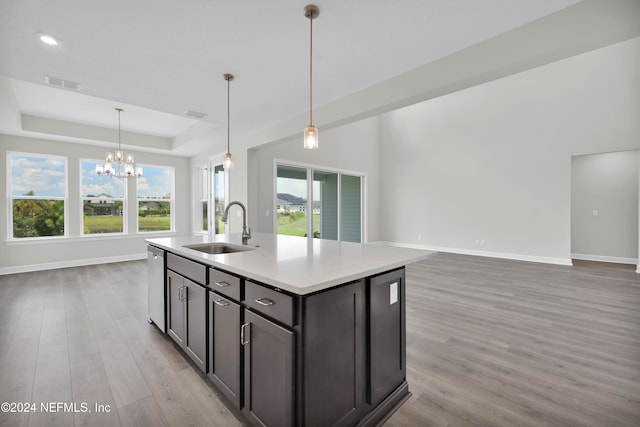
(94, 184)
(156, 182)
(45, 176)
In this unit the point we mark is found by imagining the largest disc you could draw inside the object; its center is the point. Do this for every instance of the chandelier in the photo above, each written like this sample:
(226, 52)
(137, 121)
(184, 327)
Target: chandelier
(119, 165)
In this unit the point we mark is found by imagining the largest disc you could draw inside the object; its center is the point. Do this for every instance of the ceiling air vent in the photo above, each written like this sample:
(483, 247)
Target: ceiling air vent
(61, 83)
(195, 114)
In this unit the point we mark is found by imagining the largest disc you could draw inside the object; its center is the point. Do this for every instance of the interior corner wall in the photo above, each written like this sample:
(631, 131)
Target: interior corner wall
(78, 249)
(353, 147)
(604, 207)
(487, 170)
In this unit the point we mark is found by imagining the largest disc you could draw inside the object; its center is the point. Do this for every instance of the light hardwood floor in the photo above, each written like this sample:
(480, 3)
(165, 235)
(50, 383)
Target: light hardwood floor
(489, 342)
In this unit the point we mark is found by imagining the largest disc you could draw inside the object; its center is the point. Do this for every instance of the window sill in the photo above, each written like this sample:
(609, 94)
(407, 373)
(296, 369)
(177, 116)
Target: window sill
(87, 238)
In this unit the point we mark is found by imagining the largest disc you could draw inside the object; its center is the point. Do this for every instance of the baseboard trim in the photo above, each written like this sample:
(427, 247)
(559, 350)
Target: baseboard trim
(603, 258)
(490, 254)
(71, 263)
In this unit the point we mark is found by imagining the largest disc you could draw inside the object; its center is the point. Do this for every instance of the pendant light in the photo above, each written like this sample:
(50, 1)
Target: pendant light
(311, 11)
(124, 167)
(228, 163)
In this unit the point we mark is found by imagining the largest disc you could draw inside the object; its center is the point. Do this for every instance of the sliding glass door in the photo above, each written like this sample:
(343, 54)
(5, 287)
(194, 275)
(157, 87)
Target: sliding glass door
(351, 208)
(291, 200)
(324, 203)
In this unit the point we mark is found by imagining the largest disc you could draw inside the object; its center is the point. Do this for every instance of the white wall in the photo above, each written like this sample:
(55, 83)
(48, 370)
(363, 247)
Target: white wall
(78, 249)
(604, 207)
(492, 163)
(352, 147)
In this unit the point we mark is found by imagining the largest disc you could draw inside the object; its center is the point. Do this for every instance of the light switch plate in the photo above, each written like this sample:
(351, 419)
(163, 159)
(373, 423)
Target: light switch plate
(393, 293)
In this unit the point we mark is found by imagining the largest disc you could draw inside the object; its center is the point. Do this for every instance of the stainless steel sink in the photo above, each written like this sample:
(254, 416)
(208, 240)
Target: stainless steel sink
(219, 248)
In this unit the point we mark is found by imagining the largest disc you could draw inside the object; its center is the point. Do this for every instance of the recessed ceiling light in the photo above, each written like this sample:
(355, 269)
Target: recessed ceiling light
(49, 39)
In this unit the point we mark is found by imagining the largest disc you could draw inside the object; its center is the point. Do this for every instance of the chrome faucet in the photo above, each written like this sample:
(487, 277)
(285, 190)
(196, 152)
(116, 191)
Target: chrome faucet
(246, 231)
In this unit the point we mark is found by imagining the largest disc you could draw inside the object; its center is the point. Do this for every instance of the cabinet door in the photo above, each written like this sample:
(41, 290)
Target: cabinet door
(196, 328)
(334, 356)
(175, 307)
(386, 334)
(268, 372)
(224, 346)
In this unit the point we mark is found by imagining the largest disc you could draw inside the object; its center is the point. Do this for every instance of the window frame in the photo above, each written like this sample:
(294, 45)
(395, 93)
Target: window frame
(152, 199)
(125, 207)
(214, 163)
(198, 201)
(310, 169)
(10, 197)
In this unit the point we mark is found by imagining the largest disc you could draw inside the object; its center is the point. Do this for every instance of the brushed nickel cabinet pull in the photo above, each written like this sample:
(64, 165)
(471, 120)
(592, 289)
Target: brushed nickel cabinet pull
(243, 335)
(265, 302)
(221, 302)
(222, 283)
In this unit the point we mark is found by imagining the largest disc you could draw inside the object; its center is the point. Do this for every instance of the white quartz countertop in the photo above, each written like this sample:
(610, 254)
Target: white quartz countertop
(296, 264)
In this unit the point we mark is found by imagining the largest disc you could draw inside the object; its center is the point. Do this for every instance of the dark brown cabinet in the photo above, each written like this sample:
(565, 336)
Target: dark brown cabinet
(386, 339)
(175, 307)
(268, 372)
(334, 355)
(224, 346)
(187, 316)
(334, 358)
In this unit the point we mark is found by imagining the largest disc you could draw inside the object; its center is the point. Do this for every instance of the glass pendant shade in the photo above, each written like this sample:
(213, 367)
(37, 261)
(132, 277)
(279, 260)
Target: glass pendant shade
(227, 163)
(311, 137)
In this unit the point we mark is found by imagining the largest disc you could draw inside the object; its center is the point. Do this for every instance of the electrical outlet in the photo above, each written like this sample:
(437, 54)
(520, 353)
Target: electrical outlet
(266, 213)
(595, 212)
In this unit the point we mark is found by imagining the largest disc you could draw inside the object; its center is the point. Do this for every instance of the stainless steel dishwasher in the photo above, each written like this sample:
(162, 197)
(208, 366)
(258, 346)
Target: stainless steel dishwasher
(156, 308)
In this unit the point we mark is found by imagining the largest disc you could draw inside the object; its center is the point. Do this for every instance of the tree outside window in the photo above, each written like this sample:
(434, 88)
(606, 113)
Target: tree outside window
(38, 189)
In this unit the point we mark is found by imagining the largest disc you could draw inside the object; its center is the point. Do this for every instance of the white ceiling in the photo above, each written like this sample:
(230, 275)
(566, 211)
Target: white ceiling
(159, 58)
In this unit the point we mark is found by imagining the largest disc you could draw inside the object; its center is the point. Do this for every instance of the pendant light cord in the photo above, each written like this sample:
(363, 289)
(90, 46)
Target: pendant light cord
(311, 72)
(119, 111)
(228, 114)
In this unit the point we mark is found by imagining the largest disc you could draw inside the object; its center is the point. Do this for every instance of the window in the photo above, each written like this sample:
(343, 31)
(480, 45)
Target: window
(103, 201)
(219, 198)
(335, 210)
(291, 201)
(37, 195)
(155, 199)
(201, 199)
(217, 183)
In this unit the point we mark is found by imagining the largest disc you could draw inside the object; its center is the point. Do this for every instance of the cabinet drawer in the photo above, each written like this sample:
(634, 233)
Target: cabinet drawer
(224, 283)
(187, 268)
(274, 304)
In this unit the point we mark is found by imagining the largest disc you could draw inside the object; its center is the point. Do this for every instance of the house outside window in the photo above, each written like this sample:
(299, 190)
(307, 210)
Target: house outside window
(155, 197)
(103, 201)
(37, 187)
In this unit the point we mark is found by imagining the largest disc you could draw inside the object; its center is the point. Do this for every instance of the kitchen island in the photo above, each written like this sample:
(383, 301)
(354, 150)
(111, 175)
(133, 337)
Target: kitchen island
(293, 331)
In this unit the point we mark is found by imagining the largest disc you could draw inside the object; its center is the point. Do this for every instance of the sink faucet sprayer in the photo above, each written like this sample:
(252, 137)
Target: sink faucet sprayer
(246, 231)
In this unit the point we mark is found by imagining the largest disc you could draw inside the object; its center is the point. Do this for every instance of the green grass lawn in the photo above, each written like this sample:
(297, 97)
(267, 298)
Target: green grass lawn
(154, 223)
(296, 225)
(113, 224)
(102, 224)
